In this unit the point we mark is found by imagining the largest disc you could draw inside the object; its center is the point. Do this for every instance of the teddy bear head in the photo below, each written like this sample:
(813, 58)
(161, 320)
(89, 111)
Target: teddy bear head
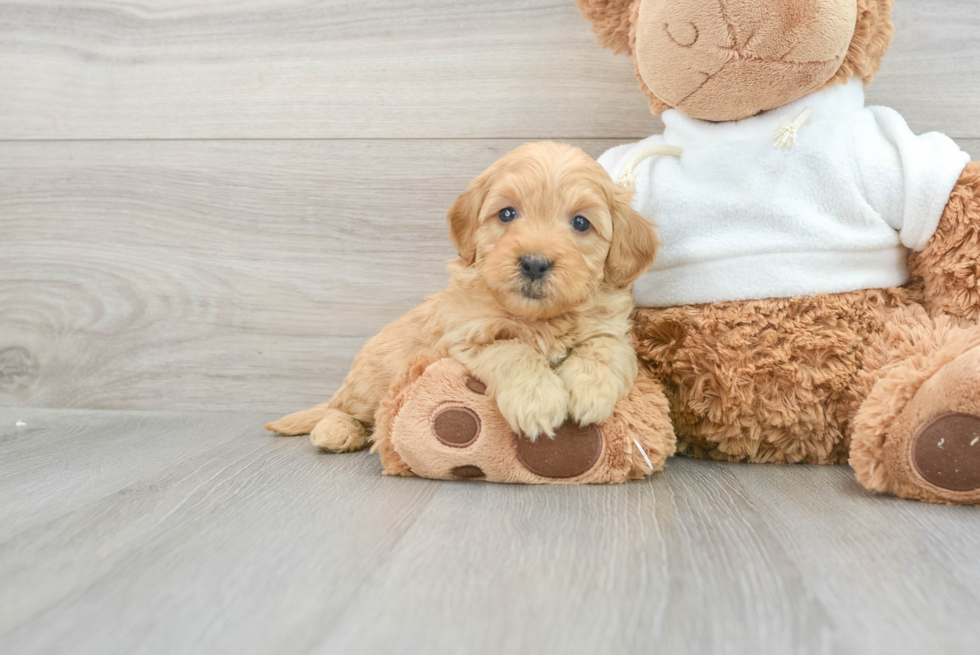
(723, 60)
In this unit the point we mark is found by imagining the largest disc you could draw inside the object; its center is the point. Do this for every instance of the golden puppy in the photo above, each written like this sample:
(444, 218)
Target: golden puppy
(537, 306)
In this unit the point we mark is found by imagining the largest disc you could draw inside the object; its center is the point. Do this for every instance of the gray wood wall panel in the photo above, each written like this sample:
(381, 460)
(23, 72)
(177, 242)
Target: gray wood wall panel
(386, 69)
(215, 274)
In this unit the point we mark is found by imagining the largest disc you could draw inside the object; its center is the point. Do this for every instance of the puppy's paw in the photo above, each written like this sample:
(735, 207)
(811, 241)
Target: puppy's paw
(534, 407)
(339, 432)
(593, 390)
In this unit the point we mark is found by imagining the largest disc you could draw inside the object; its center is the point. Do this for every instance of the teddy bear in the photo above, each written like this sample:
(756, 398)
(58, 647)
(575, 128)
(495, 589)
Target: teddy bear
(815, 299)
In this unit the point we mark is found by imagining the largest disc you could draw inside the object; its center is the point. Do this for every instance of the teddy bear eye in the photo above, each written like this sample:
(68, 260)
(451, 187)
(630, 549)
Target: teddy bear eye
(581, 224)
(507, 214)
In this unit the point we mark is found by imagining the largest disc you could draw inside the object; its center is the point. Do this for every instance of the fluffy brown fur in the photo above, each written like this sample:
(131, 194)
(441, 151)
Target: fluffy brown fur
(921, 369)
(797, 380)
(610, 21)
(546, 348)
(948, 266)
(773, 380)
(872, 36)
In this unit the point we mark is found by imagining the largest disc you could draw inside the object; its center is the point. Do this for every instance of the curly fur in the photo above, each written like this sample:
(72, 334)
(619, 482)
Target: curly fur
(646, 414)
(913, 351)
(785, 380)
(610, 21)
(384, 418)
(546, 348)
(948, 265)
(765, 380)
(872, 37)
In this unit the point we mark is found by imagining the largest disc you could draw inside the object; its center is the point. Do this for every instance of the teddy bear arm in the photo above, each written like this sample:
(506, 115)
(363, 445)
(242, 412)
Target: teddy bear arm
(393, 401)
(948, 265)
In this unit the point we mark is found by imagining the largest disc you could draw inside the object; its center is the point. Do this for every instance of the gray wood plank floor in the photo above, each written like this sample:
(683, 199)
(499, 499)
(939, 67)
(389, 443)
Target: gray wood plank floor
(213, 205)
(138, 532)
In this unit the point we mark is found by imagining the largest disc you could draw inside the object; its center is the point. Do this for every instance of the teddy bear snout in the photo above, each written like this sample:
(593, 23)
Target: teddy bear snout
(729, 60)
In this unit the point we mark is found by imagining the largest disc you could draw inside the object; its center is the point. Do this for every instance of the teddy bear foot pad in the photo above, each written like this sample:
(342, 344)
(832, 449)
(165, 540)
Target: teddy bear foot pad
(446, 427)
(946, 451)
(572, 452)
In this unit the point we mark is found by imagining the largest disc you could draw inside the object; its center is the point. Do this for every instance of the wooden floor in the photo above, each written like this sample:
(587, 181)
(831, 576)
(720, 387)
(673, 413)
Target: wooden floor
(139, 532)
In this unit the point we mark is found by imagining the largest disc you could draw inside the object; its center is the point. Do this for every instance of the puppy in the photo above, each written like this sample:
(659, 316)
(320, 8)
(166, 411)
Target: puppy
(537, 306)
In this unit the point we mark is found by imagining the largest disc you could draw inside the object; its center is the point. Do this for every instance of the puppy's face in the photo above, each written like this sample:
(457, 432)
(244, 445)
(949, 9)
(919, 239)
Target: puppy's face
(546, 230)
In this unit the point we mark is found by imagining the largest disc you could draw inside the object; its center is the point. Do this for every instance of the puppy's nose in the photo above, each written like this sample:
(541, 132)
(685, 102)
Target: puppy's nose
(535, 268)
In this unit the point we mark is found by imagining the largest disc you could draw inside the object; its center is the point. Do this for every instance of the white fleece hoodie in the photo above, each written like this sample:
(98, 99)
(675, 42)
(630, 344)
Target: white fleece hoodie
(740, 219)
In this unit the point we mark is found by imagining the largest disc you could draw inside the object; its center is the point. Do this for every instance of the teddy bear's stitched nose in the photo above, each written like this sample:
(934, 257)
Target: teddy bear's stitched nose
(683, 33)
(723, 60)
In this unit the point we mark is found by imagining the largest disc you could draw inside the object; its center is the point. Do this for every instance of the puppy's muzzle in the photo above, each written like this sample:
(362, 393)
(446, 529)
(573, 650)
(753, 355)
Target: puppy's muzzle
(535, 268)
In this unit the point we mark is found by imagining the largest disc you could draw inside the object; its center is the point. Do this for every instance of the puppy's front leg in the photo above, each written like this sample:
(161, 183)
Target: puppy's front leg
(598, 373)
(531, 398)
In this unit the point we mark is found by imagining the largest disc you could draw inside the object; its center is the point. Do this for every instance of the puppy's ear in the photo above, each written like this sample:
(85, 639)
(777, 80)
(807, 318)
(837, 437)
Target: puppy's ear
(464, 218)
(634, 242)
(610, 21)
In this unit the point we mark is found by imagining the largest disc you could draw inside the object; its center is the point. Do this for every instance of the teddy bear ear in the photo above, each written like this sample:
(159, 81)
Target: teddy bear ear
(872, 36)
(610, 21)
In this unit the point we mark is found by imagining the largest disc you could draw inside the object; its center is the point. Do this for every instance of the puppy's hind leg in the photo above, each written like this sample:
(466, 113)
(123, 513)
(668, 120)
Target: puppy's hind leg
(329, 426)
(330, 429)
(293, 425)
(345, 422)
(340, 432)
(347, 419)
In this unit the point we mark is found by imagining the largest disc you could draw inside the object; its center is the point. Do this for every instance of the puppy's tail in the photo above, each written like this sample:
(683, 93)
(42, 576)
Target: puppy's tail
(299, 423)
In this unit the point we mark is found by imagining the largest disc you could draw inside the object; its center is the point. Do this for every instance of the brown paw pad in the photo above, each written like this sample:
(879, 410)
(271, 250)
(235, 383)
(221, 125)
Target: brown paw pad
(572, 452)
(946, 451)
(476, 386)
(468, 472)
(456, 426)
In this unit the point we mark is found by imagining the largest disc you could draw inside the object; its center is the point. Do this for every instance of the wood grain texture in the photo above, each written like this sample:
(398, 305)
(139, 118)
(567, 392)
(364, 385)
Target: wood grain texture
(114, 69)
(197, 275)
(216, 275)
(185, 532)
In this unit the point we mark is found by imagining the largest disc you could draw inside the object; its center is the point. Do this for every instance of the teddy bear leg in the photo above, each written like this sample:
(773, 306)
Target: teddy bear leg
(917, 434)
(644, 415)
(440, 423)
(950, 263)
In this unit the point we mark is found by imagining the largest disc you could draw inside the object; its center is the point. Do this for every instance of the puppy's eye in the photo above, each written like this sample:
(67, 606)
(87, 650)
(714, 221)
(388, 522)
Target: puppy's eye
(581, 224)
(507, 214)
